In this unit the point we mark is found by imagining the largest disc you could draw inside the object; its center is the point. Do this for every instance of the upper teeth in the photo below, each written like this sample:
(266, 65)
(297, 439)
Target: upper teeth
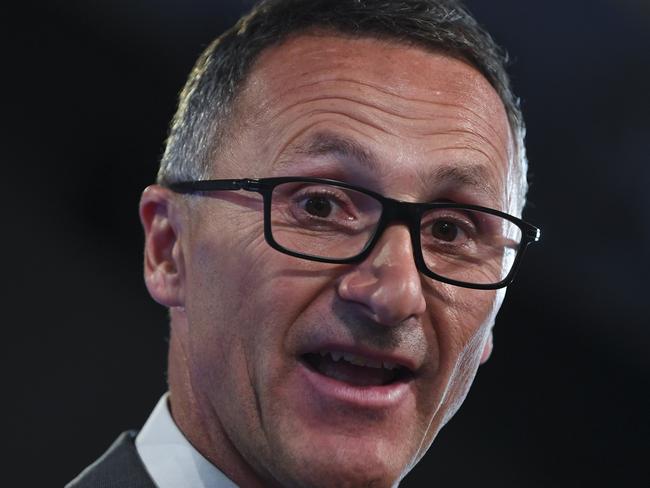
(359, 360)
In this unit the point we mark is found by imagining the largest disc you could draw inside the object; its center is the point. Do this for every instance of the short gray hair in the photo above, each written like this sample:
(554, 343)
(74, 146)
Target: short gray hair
(206, 103)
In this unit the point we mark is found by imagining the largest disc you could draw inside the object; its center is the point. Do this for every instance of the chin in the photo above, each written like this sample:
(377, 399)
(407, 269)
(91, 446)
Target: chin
(351, 464)
(343, 477)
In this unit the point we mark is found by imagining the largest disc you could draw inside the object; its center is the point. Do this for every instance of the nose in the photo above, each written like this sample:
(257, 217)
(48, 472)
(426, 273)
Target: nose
(387, 283)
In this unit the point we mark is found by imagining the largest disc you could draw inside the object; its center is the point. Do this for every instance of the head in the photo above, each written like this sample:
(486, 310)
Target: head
(408, 99)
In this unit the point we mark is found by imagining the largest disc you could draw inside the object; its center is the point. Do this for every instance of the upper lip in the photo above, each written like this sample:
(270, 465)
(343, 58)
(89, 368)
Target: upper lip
(366, 352)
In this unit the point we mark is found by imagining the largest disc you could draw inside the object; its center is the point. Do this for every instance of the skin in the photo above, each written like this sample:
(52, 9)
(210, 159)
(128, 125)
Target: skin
(241, 312)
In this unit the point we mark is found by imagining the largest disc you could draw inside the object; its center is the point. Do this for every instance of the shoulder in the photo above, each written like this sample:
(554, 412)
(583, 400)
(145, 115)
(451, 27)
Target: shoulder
(120, 466)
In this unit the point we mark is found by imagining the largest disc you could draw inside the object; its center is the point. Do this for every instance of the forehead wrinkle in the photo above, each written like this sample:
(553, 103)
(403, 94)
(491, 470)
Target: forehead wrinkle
(484, 125)
(377, 88)
(466, 139)
(275, 96)
(277, 91)
(469, 125)
(370, 121)
(385, 108)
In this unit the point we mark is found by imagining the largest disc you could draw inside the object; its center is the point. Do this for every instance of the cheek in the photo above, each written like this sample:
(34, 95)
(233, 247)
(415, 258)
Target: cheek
(243, 297)
(224, 263)
(462, 326)
(221, 272)
(463, 317)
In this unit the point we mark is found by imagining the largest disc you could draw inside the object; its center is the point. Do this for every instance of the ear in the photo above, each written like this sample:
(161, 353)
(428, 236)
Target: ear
(487, 349)
(163, 256)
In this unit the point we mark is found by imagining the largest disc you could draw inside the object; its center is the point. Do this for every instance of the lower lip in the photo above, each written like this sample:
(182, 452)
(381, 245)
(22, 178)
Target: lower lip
(370, 397)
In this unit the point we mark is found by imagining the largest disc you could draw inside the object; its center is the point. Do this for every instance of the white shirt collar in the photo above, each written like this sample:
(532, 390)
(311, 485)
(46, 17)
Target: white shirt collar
(170, 459)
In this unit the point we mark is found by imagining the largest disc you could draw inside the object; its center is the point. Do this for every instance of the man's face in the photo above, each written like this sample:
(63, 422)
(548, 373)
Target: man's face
(431, 129)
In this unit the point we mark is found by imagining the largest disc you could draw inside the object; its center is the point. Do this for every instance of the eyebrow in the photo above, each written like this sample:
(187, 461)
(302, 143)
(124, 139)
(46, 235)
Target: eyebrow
(330, 144)
(465, 175)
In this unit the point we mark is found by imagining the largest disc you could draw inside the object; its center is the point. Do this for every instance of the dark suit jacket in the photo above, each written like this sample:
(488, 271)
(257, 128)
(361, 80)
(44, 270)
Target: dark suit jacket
(119, 467)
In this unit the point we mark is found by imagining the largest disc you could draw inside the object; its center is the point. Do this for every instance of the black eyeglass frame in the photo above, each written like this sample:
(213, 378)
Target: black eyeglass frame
(393, 210)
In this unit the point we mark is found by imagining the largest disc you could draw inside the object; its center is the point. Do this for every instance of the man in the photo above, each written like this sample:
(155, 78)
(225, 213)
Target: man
(332, 231)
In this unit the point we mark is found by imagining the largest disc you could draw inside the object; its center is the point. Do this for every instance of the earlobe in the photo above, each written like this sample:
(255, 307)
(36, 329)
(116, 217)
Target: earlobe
(163, 256)
(487, 349)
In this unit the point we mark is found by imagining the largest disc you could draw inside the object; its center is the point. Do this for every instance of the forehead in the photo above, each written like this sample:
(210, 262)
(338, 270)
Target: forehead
(418, 113)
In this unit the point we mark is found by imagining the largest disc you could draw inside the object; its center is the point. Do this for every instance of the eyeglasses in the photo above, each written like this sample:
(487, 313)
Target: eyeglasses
(333, 222)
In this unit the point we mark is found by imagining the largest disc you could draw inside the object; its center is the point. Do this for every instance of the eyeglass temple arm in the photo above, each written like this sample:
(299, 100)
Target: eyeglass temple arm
(215, 185)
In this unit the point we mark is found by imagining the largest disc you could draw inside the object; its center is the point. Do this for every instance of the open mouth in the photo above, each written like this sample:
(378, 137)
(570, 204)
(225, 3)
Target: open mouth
(356, 370)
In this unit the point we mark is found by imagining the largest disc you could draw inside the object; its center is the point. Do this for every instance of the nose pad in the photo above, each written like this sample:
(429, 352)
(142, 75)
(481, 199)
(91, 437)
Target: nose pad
(387, 283)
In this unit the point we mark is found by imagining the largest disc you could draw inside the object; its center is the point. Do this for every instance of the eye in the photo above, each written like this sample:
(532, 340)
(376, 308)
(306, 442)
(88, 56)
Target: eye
(324, 207)
(449, 227)
(318, 206)
(445, 230)
(321, 205)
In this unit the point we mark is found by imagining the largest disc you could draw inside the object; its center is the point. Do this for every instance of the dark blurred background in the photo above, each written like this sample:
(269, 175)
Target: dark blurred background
(90, 88)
